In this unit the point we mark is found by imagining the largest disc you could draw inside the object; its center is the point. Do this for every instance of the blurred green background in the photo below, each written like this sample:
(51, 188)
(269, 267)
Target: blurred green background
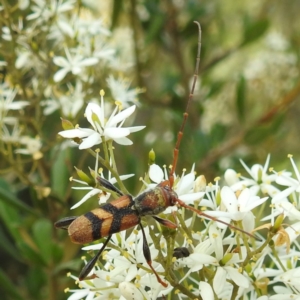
(246, 105)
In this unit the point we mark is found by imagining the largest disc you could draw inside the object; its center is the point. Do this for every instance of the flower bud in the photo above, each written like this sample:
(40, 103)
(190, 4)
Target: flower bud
(66, 124)
(259, 175)
(227, 257)
(248, 268)
(231, 177)
(84, 177)
(278, 223)
(151, 157)
(200, 184)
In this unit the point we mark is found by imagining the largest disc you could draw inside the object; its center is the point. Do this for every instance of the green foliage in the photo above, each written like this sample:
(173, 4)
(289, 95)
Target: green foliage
(241, 93)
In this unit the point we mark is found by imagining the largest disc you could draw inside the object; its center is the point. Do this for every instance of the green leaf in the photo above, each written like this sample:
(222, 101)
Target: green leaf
(42, 232)
(215, 87)
(59, 172)
(8, 287)
(57, 252)
(217, 134)
(11, 219)
(254, 30)
(35, 282)
(30, 254)
(262, 132)
(9, 198)
(118, 8)
(8, 247)
(241, 91)
(155, 28)
(257, 134)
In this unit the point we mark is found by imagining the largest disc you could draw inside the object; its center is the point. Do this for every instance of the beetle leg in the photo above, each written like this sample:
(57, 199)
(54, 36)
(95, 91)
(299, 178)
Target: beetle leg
(105, 183)
(147, 256)
(165, 222)
(64, 223)
(90, 265)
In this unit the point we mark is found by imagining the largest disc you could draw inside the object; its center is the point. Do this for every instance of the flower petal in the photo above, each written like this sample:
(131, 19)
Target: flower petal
(93, 108)
(89, 61)
(79, 294)
(60, 61)
(135, 128)
(229, 199)
(60, 74)
(231, 177)
(156, 174)
(90, 194)
(237, 277)
(129, 291)
(121, 116)
(190, 198)
(219, 280)
(185, 184)
(90, 141)
(116, 133)
(123, 141)
(76, 133)
(206, 291)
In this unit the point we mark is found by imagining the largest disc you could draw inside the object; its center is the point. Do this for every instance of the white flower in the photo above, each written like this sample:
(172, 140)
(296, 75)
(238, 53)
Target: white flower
(293, 183)
(231, 177)
(42, 11)
(285, 179)
(13, 28)
(109, 130)
(70, 104)
(276, 41)
(74, 64)
(290, 277)
(33, 146)
(7, 103)
(225, 271)
(11, 136)
(91, 27)
(121, 92)
(284, 293)
(239, 207)
(129, 291)
(259, 181)
(23, 4)
(287, 201)
(121, 271)
(210, 200)
(87, 289)
(239, 204)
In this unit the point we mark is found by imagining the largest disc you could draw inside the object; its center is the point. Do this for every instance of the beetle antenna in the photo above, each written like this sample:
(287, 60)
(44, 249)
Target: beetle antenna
(204, 215)
(185, 114)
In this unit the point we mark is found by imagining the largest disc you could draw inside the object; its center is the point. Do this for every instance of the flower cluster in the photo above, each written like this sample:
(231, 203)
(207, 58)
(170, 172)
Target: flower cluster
(103, 130)
(222, 250)
(60, 51)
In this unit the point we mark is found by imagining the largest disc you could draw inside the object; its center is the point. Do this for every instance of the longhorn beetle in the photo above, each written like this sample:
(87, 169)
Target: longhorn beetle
(126, 211)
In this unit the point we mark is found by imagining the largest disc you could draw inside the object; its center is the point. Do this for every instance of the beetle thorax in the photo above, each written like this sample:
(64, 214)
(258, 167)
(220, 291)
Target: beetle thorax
(155, 201)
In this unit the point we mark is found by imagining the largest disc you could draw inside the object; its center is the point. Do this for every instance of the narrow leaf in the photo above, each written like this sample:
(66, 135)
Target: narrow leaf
(241, 92)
